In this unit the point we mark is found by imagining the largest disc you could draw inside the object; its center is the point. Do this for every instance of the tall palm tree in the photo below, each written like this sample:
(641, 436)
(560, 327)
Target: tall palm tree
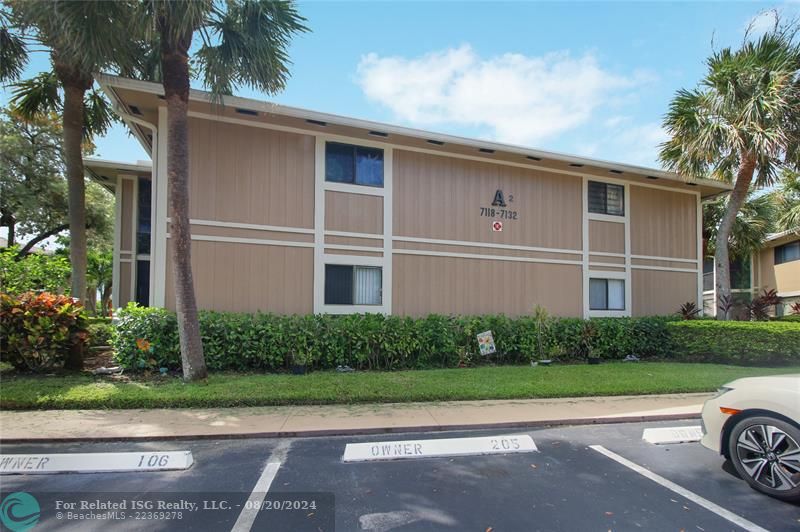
(244, 42)
(754, 222)
(741, 125)
(81, 36)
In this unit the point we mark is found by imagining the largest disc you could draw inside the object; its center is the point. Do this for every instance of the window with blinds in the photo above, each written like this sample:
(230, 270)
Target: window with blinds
(606, 198)
(353, 285)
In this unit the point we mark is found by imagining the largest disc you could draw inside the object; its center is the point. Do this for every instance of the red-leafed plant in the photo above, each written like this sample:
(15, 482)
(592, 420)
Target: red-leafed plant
(795, 308)
(41, 331)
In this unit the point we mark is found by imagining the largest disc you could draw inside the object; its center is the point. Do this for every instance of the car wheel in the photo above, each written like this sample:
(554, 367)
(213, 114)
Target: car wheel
(766, 453)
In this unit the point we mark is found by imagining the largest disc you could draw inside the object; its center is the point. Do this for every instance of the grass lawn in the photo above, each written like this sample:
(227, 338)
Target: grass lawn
(506, 382)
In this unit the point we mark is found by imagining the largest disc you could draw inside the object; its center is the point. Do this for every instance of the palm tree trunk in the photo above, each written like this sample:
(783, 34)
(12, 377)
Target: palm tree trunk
(721, 256)
(75, 84)
(175, 68)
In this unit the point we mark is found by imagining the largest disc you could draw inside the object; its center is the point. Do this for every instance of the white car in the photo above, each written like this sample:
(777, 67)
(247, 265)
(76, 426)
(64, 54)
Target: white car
(755, 423)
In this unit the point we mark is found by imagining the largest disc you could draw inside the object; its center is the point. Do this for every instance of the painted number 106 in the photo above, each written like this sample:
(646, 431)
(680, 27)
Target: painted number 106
(153, 460)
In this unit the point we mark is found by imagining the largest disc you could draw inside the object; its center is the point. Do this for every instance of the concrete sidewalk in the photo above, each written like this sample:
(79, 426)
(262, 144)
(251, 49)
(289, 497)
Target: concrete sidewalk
(326, 420)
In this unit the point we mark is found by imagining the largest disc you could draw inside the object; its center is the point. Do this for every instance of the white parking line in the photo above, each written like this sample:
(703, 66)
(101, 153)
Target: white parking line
(250, 509)
(683, 492)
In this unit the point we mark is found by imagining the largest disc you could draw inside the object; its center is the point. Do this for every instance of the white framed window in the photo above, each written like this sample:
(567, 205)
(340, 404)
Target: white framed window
(354, 165)
(606, 198)
(606, 294)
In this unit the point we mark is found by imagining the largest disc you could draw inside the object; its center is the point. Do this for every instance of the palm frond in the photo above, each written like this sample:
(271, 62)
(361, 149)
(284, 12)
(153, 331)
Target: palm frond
(249, 46)
(13, 53)
(98, 114)
(754, 221)
(35, 97)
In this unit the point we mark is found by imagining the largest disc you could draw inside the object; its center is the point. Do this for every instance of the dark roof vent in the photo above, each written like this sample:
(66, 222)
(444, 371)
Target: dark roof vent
(576, 165)
(615, 171)
(692, 184)
(316, 122)
(378, 134)
(135, 110)
(532, 158)
(436, 142)
(248, 112)
(652, 177)
(486, 150)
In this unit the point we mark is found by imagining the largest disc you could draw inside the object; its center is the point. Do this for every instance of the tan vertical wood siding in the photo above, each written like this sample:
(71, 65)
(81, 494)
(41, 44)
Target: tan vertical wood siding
(663, 223)
(445, 285)
(127, 213)
(785, 278)
(249, 278)
(125, 279)
(661, 292)
(440, 197)
(355, 213)
(250, 175)
(606, 237)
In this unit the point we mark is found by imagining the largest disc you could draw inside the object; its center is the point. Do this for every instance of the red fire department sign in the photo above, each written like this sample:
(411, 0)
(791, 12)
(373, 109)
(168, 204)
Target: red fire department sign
(497, 226)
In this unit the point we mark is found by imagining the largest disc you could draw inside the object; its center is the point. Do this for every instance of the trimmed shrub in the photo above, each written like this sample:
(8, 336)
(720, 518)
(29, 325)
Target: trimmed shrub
(737, 342)
(39, 331)
(100, 333)
(147, 338)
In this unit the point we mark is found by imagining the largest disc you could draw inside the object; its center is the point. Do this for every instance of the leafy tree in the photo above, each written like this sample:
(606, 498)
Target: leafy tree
(35, 273)
(740, 125)
(82, 37)
(33, 187)
(244, 42)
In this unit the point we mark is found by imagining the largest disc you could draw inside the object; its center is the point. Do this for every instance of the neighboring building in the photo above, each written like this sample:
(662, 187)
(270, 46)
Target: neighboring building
(130, 184)
(294, 211)
(775, 267)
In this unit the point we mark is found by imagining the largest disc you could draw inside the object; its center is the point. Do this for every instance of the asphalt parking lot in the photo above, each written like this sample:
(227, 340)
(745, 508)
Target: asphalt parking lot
(569, 484)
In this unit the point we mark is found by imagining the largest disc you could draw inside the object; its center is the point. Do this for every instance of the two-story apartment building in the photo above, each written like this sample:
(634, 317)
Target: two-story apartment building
(295, 211)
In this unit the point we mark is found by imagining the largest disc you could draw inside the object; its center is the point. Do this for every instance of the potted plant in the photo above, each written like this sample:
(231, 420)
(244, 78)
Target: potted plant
(299, 363)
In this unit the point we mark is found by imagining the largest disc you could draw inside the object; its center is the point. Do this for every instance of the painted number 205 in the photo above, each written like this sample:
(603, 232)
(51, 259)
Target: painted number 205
(505, 444)
(153, 460)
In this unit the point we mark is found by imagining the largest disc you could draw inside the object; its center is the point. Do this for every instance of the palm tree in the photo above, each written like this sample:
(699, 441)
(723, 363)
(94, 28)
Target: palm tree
(244, 42)
(81, 37)
(787, 198)
(741, 125)
(753, 223)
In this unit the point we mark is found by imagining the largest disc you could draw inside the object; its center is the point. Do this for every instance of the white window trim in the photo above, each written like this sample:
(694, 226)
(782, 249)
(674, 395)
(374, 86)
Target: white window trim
(321, 258)
(351, 260)
(588, 273)
(623, 276)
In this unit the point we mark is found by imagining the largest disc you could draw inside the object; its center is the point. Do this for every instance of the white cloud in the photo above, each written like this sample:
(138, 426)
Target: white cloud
(518, 99)
(636, 144)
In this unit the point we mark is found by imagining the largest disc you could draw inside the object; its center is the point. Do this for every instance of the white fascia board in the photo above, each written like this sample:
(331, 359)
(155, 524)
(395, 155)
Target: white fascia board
(107, 80)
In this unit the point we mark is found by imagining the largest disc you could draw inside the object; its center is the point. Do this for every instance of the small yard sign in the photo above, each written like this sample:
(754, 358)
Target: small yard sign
(486, 343)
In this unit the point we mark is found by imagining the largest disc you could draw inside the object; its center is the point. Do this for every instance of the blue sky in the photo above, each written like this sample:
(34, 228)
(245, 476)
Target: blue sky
(591, 79)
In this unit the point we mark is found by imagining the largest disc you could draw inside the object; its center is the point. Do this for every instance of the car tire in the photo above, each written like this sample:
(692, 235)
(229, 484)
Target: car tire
(766, 453)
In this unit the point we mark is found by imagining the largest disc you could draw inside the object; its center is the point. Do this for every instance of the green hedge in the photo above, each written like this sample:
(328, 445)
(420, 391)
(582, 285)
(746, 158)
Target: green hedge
(737, 342)
(147, 338)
